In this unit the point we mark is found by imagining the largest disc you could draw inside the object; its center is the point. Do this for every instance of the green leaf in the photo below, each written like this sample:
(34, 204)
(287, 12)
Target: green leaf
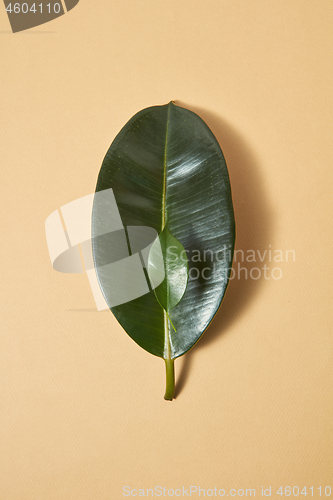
(167, 261)
(165, 165)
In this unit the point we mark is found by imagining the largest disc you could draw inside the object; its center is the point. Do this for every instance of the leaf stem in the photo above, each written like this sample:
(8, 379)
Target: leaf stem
(170, 379)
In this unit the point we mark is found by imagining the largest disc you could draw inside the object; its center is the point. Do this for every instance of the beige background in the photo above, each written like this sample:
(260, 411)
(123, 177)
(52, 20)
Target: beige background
(82, 409)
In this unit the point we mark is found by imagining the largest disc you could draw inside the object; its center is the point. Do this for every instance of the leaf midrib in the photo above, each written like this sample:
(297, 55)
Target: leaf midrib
(167, 343)
(165, 171)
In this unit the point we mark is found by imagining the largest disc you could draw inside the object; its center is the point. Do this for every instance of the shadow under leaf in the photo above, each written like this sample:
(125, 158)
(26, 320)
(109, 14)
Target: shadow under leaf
(254, 223)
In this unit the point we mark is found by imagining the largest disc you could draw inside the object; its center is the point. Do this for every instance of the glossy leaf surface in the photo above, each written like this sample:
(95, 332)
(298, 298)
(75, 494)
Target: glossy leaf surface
(166, 165)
